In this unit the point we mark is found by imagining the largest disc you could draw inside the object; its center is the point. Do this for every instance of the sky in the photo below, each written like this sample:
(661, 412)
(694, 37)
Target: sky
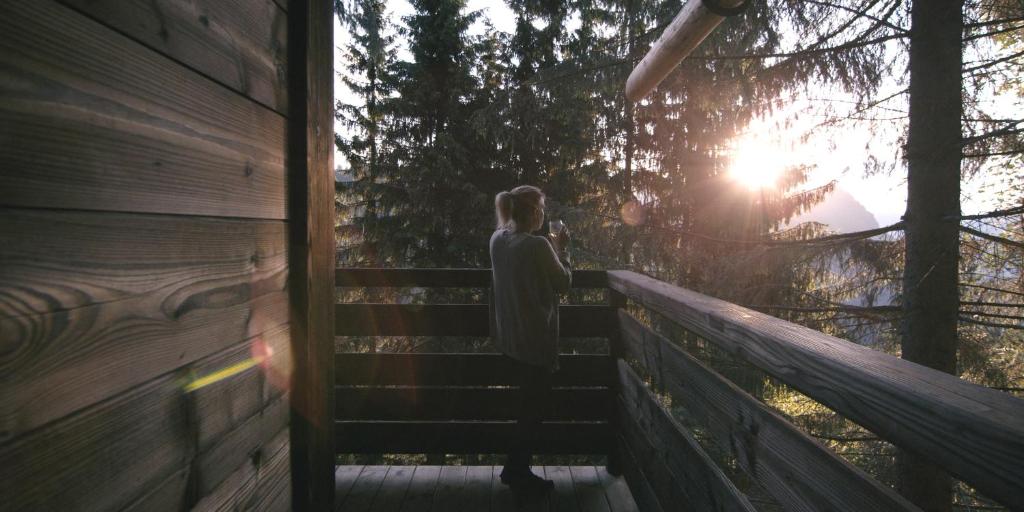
(836, 154)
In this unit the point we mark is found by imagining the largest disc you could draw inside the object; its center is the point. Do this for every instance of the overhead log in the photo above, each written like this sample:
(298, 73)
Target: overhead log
(693, 23)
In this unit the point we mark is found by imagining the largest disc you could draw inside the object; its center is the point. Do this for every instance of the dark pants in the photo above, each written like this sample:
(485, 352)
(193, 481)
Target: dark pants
(533, 402)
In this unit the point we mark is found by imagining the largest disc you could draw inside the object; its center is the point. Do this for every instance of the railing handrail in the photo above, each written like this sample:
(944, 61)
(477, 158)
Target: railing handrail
(975, 433)
(443, 277)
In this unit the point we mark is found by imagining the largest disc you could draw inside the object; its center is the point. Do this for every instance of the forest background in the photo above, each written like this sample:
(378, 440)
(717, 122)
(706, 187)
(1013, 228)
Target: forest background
(441, 110)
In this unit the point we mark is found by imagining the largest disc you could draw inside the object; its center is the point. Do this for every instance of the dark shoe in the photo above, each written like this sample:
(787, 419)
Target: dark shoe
(527, 481)
(509, 475)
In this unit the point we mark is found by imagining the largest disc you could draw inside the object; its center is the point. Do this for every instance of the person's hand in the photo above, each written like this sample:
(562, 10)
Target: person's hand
(561, 240)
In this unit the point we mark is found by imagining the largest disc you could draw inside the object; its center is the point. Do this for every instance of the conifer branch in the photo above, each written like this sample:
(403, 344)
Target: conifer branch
(993, 238)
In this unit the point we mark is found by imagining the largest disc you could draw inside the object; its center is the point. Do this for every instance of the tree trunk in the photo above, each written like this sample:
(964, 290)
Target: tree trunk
(930, 280)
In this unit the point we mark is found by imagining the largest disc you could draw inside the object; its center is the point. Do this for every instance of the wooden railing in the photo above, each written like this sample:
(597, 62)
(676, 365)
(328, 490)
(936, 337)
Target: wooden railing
(975, 433)
(460, 403)
(464, 403)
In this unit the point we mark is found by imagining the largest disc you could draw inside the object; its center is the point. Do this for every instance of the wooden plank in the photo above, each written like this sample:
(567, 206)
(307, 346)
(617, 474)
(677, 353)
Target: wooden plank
(360, 498)
(617, 491)
(239, 43)
(232, 431)
(450, 486)
(89, 121)
(273, 489)
(103, 458)
(476, 493)
(344, 479)
(168, 496)
(589, 491)
(634, 475)
(129, 451)
(252, 443)
(392, 491)
(797, 470)
(694, 472)
(92, 304)
(975, 433)
(463, 403)
(645, 462)
(454, 320)
(420, 495)
(311, 248)
(250, 482)
(228, 404)
(466, 437)
(563, 496)
(425, 369)
(444, 277)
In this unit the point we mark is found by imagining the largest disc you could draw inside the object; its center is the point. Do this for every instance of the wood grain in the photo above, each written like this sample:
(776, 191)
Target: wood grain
(454, 369)
(466, 437)
(975, 433)
(465, 403)
(90, 120)
(253, 482)
(133, 450)
(444, 277)
(251, 444)
(92, 304)
(239, 43)
(798, 471)
(694, 472)
(454, 320)
(103, 458)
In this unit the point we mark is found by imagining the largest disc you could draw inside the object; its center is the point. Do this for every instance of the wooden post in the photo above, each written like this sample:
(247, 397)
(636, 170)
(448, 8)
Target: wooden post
(693, 23)
(617, 351)
(311, 251)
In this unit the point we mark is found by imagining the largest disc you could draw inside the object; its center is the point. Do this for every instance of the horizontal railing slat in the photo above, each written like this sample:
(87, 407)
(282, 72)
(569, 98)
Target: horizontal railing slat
(796, 470)
(443, 277)
(424, 369)
(462, 403)
(977, 434)
(692, 471)
(454, 320)
(467, 437)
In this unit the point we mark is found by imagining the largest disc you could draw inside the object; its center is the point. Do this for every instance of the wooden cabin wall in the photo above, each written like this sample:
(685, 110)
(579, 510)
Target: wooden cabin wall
(147, 221)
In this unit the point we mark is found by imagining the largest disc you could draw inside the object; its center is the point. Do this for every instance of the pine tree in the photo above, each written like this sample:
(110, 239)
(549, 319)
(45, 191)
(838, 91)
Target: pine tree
(369, 73)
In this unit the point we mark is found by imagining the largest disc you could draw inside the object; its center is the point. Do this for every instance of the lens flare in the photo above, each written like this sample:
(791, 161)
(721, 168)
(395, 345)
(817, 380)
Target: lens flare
(633, 213)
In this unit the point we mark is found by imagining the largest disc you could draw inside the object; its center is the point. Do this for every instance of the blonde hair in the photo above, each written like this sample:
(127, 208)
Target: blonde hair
(514, 208)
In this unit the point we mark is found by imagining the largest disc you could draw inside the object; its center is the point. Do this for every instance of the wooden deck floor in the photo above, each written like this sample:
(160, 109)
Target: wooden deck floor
(475, 489)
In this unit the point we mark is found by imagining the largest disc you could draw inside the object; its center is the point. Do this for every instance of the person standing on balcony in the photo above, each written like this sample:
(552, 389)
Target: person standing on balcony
(528, 273)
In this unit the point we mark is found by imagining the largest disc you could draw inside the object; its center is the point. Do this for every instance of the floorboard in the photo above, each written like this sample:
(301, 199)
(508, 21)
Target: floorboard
(422, 488)
(392, 490)
(563, 498)
(360, 498)
(476, 489)
(449, 488)
(589, 491)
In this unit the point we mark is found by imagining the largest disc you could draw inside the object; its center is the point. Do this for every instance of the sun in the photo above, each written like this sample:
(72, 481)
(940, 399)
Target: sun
(757, 164)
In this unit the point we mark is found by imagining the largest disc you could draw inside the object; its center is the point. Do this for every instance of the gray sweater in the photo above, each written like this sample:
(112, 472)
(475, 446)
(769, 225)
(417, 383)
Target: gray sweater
(527, 276)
